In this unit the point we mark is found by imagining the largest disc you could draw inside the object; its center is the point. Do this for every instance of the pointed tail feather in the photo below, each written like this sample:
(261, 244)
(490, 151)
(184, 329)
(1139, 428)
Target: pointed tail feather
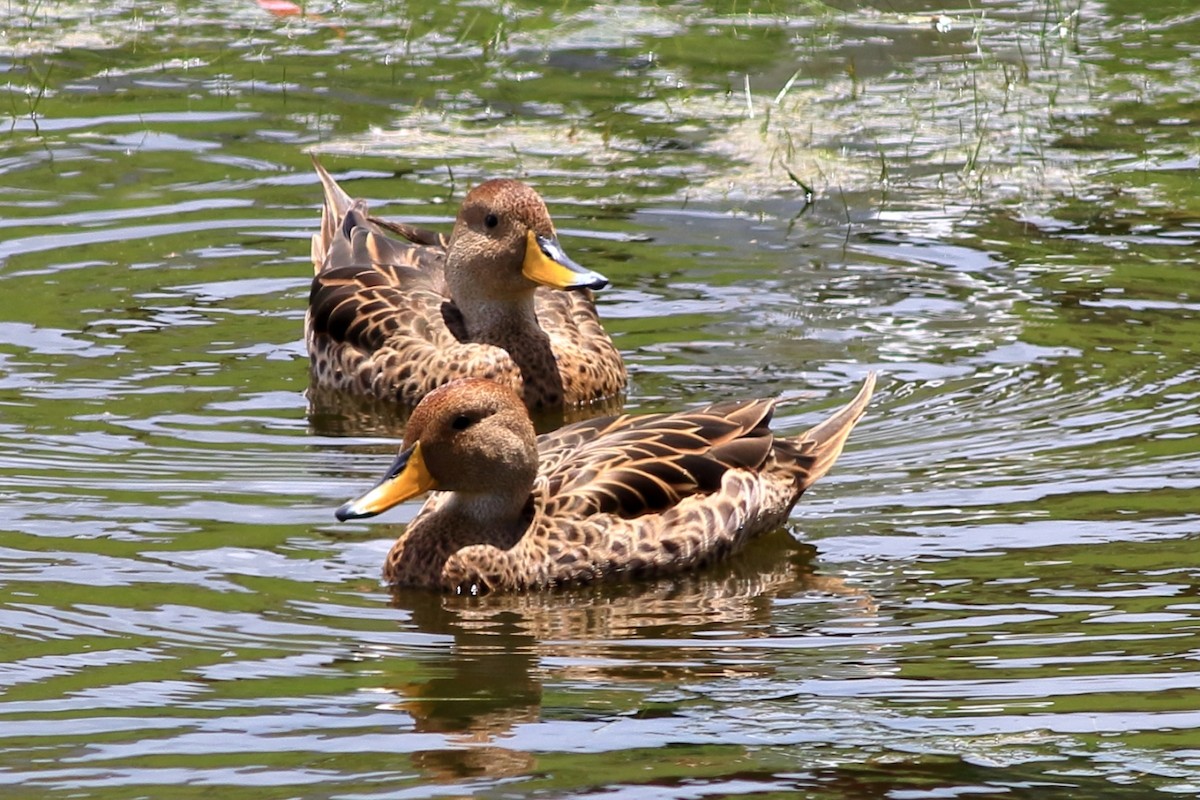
(333, 211)
(823, 443)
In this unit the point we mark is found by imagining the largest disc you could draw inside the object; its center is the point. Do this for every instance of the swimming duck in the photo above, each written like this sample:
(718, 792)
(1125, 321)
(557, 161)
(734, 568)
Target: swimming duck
(396, 311)
(625, 495)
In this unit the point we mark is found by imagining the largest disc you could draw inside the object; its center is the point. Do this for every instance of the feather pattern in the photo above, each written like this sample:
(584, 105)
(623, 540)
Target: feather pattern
(383, 319)
(625, 495)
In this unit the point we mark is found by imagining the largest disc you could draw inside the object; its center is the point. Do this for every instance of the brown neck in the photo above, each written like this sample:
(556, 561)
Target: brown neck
(496, 515)
(514, 327)
(503, 323)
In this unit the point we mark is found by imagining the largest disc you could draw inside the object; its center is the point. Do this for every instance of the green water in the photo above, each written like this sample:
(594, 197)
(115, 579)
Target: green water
(994, 594)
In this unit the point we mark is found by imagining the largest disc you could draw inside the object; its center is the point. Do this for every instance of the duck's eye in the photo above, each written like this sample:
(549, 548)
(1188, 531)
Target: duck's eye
(491, 220)
(461, 422)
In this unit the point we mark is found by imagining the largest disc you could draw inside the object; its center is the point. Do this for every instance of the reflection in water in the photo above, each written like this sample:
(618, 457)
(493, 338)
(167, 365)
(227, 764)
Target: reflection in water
(490, 680)
(487, 683)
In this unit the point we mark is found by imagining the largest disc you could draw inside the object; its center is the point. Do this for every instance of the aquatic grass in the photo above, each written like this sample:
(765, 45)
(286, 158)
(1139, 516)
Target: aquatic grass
(1009, 120)
(33, 95)
(794, 127)
(26, 10)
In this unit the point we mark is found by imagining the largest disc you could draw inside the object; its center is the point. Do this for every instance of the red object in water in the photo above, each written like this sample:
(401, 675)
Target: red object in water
(281, 8)
(286, 8)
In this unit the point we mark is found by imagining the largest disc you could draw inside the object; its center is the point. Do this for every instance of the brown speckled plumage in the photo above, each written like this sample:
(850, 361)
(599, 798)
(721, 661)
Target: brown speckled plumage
(626, 495)
(396, 311)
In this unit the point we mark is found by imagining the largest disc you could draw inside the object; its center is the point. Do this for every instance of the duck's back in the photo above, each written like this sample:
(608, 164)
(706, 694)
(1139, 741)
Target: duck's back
(644, 495)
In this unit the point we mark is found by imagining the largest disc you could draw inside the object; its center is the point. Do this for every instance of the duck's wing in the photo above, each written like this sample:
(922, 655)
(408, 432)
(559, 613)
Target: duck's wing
(589, 363)
(372, 287)
(654, 494)
(334, 210)
(369, 286)
(634, 465)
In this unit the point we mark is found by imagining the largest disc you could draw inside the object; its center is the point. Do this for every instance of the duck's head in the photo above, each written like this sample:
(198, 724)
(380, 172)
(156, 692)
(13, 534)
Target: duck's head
(504, 246)
(471, 436)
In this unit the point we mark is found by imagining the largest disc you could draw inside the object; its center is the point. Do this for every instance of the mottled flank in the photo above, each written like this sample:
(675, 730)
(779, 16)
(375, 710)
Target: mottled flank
(626, 495)
(396, 311)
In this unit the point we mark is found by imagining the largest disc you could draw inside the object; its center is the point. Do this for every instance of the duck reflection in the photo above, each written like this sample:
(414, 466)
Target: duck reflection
(490, 681)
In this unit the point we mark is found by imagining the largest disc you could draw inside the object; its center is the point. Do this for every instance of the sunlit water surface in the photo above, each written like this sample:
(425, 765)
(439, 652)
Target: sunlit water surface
(993, 594)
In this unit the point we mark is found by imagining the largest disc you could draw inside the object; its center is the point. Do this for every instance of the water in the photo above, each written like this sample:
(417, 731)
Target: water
(993, 594)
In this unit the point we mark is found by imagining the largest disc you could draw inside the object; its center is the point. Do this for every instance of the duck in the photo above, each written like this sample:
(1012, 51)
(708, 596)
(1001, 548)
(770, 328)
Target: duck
(627, 495)
(396, 311)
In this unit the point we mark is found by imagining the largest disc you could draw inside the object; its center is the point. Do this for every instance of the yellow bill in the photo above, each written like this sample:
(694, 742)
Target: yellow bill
(547, 264)
(406, 478)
